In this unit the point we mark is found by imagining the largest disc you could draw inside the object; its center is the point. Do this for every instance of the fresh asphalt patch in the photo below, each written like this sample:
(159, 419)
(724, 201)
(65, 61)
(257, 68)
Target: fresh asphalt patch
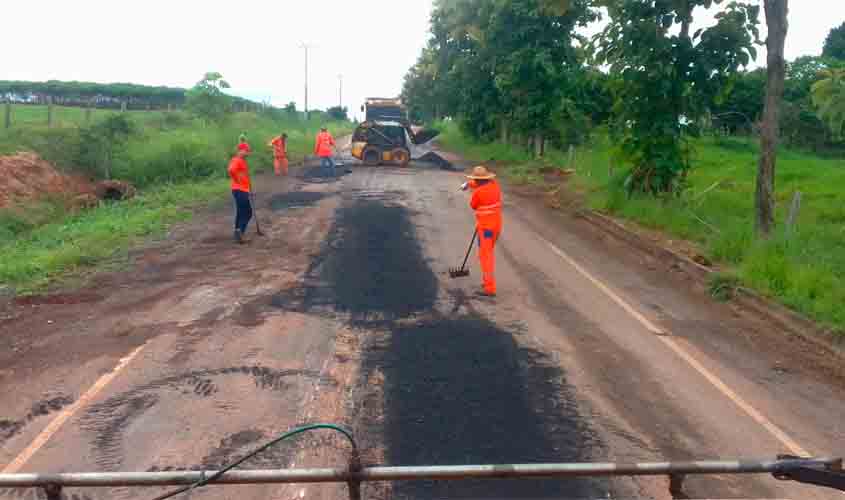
(456, 389)
(295, 199)
(370, 267)
(461, 390)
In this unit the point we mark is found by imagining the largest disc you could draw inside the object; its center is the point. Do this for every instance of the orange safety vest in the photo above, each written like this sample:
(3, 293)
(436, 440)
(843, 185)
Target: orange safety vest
(487, 203)
(279, 147)
(239, 172)
(324, 143)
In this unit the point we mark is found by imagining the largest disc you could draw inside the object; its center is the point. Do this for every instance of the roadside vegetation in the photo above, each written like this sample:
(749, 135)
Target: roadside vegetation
(803, 267)
(663, 121)
(177, 160)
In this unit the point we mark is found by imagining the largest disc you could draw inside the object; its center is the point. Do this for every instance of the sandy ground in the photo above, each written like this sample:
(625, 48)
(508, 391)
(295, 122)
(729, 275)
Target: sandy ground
(344, 313)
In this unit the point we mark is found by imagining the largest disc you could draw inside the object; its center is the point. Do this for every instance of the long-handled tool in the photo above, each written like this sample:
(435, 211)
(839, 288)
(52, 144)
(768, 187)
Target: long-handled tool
(463, 271)
(255, 214)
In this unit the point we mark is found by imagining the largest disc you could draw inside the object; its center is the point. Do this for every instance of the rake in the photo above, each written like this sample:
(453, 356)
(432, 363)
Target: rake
(463, 272)
(255, 214)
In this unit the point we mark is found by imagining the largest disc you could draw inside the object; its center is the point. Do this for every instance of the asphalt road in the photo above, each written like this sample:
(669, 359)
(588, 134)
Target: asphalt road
(201, 350)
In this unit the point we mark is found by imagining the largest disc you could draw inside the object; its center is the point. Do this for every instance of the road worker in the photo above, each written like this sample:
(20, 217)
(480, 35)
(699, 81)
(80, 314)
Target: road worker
(242, 140)
(487, 202)
(323, 148)
(239, 172)
(280, 154)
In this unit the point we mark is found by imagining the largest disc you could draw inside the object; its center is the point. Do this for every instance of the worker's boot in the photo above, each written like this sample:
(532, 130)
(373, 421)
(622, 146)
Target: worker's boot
(239, 236)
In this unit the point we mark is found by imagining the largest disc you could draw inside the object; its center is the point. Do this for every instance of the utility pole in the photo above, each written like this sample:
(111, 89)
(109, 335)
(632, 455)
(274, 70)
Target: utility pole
(340, 90)
(306, 47)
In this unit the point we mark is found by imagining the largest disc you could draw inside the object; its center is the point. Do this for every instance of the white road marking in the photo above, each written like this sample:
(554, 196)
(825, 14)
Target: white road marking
(746, 407)
(53, 427)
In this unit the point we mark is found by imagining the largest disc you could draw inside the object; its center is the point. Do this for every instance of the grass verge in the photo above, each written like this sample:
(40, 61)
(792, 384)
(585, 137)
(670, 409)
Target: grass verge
(32, 260)
(802, 267)
(177, 162)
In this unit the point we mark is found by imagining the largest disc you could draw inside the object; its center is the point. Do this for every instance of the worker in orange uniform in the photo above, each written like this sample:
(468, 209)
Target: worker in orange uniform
(280, 154)
(323, 148)
(242, 140)
(487, 202)
(239, 172)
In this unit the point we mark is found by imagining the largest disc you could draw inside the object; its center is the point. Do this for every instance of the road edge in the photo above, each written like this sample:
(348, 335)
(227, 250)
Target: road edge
(784, 318)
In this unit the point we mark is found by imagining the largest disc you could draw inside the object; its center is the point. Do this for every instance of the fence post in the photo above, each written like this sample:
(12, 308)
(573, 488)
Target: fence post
(88, 113)
(123, 106)
(793, 213)
(49, 111)
(571, 158)
(8, 120)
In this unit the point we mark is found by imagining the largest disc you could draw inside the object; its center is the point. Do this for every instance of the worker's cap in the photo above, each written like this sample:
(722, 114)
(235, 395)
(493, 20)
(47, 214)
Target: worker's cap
(323, 128)
(244, 147)
(480, 173)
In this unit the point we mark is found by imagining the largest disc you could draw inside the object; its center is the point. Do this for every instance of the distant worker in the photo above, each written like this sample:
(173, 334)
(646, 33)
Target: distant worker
(487, 202)
(323, 149)
(239, 172)
(280, 154)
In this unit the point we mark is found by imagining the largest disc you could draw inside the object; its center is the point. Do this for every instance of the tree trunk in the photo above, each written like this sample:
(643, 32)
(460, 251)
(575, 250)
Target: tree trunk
(49, 112)
(505, 136)
(776, 11)
(538, 145)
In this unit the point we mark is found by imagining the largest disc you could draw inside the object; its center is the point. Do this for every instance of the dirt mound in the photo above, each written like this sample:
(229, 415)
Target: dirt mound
(26, 177)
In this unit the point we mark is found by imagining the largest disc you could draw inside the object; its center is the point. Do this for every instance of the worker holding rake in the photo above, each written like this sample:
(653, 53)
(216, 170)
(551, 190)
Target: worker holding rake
(280, 154)
(487, 202)
(239, 173)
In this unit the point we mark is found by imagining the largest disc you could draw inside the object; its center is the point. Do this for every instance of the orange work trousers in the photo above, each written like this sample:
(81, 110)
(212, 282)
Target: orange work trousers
(487, 238)
(280, 164)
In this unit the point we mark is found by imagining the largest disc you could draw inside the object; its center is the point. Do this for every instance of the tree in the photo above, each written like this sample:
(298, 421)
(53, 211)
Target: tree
(834, 45)
(207, 99)
(776, 13)
(829, 97)
(505, 67)
(103, 142)
(338, 113)
(290, 108)
(669, 78)
(741, 104)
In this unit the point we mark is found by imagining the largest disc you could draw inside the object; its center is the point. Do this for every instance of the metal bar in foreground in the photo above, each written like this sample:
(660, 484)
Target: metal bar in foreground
(337, 475)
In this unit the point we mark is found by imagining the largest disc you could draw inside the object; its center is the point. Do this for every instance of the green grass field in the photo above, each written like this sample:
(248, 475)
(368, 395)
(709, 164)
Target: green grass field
(177, 162)
(36, 115)
(804, 270)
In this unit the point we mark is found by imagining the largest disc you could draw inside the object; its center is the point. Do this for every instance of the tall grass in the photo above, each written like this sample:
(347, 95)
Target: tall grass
(176, 161)
(804, 268)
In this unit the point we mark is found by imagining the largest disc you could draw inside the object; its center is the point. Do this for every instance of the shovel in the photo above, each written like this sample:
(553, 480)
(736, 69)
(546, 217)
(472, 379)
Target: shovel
(463, 272)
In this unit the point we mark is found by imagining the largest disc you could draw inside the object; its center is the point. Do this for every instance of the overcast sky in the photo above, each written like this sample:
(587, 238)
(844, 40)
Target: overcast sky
(255, 43)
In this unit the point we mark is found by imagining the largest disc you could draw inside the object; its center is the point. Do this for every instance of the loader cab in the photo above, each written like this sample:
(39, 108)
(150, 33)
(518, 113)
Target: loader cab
(384, 110)
(377, 142)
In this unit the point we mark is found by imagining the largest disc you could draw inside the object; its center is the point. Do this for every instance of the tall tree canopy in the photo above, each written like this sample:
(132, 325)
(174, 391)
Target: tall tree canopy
(829, 97)
(207, 98)
(503, 66)
(669, 77)
(834, 45)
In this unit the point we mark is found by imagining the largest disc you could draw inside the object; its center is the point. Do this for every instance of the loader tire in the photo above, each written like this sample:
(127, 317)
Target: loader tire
(401, 156)
(371, 157)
